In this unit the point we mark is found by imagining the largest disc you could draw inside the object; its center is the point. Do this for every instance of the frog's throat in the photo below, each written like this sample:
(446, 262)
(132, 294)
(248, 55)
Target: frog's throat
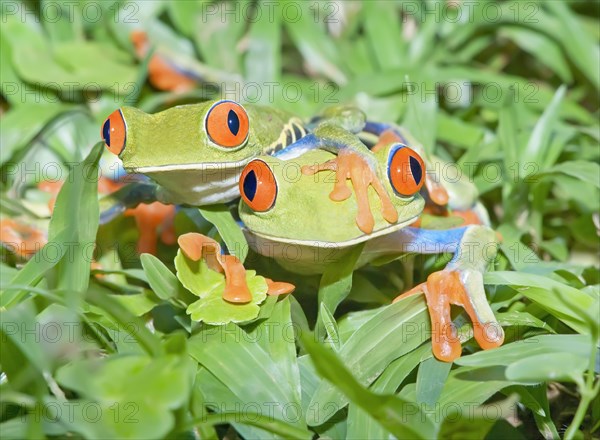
(340, 244)
(201, 166)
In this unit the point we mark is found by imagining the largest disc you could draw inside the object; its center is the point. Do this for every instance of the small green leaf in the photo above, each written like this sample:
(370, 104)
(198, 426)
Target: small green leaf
(336, 283)
(161, 279)
(540, 137)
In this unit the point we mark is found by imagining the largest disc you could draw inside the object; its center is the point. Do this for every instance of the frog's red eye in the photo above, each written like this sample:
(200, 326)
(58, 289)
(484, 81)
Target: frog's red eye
(258, 186)
(114, 132)
(227, 124)
(406, 170)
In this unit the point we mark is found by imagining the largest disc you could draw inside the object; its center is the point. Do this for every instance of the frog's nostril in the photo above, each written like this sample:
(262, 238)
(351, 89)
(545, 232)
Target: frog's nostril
(114, 132)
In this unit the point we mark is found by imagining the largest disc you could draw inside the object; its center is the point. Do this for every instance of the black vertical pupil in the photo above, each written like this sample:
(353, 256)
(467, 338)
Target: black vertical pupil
(233, 122)
(250, 185)
(106, 132)
(415, 168)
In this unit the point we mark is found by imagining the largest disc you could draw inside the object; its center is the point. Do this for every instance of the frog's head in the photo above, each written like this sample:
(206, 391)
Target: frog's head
(282, 204)
(182, 137)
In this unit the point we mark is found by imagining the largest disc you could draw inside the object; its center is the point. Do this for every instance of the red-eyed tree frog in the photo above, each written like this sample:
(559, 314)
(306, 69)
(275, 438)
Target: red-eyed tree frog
(294, 221)
(214, 151)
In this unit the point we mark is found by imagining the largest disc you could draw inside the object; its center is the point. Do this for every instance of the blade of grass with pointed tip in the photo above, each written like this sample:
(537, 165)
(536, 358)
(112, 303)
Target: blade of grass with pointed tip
(431, 378)
(162, 281)
(336, 283)
(583, 49)
(583, 170)
(398, 416)
(76, 212)
(394, 331)
(577, 345)
(360, 423)
(539, 141)
(559, 299)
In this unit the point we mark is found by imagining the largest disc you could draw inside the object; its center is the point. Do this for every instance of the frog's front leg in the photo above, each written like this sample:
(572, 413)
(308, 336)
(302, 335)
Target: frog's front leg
(197, 246)
(353, 161)
(459, 283)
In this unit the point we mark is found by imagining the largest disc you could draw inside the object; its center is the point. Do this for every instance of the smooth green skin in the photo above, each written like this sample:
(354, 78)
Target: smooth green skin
(303, 213)
(305, 230)
(173, 148)
(177, 136)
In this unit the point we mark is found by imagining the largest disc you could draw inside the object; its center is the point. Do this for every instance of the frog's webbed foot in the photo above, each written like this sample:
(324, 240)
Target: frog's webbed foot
(461, 284)
(462, 288)
(197, 246)
(437, 193)
(351, 165)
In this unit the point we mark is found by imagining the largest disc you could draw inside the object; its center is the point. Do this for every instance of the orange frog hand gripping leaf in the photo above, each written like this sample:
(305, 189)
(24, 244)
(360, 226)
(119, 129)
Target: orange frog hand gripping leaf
(228, 292)
(274, 210)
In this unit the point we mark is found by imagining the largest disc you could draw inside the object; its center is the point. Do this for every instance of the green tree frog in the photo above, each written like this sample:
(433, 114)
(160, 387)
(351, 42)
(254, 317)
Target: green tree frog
(196, 152)
(214, 151)
(289, 216)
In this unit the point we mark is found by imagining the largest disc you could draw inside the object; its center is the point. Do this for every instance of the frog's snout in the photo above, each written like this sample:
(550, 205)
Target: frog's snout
(114, 132)
(258, 186)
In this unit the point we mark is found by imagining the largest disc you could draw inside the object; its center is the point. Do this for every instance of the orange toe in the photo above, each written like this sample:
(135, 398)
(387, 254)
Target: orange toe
(442, 290)
(279, 287)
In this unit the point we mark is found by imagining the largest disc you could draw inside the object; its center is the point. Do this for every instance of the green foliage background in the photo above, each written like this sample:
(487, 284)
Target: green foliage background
(508, 90)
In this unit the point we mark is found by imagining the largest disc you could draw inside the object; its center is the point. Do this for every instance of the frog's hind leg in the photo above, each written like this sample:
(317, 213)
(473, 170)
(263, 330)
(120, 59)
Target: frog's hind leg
(127, 197)
(459, 283)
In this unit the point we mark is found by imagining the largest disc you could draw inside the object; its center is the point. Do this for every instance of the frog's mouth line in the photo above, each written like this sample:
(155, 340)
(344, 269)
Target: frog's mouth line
(339, 244)
(204, 166)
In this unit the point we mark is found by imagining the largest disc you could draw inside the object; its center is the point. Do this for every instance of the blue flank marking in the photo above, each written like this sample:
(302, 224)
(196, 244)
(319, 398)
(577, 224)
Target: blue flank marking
(377, 128)
(431, 240)
(301, 146)
(111, 213)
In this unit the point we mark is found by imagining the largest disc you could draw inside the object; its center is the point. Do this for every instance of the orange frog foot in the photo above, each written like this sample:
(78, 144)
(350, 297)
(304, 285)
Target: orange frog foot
(350, 165)
(161, 73)
(443, 289)
(150, 219)
(20, 238)
(196, 246)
